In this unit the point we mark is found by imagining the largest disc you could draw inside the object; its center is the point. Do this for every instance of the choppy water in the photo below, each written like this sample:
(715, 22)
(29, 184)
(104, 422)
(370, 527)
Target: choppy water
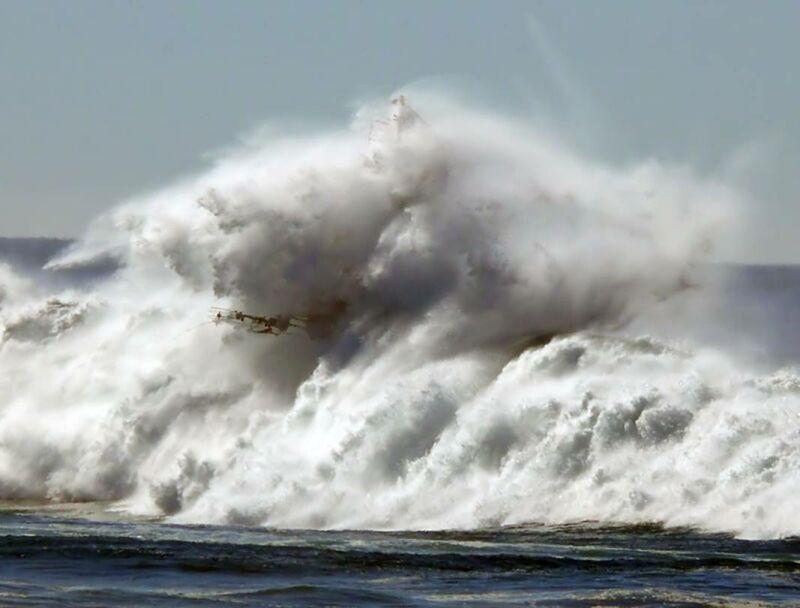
(48, 560)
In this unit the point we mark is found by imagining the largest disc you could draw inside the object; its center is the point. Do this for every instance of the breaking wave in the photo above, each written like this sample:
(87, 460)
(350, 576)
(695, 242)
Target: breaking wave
(486, 293)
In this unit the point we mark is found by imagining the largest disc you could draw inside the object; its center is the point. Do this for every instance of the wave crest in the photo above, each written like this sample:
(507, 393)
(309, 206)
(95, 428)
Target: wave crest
(476, 277)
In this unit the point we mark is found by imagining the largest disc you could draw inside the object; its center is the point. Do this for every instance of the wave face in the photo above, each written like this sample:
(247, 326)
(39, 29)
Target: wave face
(485, 291)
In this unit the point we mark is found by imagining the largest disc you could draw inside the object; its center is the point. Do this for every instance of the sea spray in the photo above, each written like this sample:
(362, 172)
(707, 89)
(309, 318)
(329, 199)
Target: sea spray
(476, 371)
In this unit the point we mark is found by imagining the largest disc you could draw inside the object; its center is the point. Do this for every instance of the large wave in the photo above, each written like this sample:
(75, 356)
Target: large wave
(479, 366)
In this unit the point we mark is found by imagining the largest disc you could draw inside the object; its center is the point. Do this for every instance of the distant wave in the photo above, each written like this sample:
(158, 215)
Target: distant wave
(30, 256)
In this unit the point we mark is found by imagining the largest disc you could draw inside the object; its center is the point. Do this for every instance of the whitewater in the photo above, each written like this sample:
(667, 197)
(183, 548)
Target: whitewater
(509, 341)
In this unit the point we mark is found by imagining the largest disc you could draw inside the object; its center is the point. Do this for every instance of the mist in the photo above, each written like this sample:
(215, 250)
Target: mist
(508, 338)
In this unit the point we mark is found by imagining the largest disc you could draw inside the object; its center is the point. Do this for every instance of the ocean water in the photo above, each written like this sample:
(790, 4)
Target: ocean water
(518, 377)
(53, 560)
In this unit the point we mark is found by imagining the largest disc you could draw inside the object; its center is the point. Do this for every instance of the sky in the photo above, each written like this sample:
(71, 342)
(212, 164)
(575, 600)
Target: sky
(103, 100)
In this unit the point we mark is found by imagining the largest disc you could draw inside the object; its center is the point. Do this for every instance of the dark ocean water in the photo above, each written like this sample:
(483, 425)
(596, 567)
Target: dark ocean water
(48, 560)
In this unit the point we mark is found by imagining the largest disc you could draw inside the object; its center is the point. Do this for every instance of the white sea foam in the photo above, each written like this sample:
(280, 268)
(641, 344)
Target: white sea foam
(451, 251)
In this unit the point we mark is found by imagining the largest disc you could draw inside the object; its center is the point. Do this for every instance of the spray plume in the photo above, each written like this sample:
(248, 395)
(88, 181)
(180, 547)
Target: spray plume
(475, 279)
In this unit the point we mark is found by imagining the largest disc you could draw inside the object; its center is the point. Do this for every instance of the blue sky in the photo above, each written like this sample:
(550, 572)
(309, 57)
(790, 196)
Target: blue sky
(102, 100)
